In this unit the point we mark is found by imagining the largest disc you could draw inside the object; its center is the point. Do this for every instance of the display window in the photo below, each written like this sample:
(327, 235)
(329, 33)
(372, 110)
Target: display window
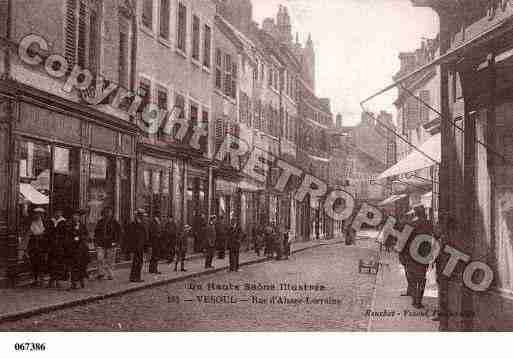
(101, 194)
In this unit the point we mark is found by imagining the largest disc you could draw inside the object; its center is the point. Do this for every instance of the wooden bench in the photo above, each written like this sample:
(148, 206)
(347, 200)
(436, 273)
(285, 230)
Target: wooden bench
(371, 266)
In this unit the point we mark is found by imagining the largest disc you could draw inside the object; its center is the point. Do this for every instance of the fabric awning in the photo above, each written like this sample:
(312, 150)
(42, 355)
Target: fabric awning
(391, 199)
(33, 195)
(416, 160)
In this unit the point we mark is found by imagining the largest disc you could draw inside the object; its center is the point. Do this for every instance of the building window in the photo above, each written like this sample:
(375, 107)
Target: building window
(82, 40)
(270, 77)
(162, 99)
(164, 18)
(219, 71)
(424, 110)
(206, 45)
(147, 14)
(204, 139)
(123, 59)
(182, 27)
(227, 75)
(195, 37)
(145, 93)
(234, 81)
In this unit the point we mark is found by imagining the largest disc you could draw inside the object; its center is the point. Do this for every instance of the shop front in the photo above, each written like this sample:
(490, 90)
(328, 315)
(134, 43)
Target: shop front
(66, 156)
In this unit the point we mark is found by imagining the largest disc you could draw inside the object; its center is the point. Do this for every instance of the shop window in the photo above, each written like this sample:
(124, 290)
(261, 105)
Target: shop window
(126, 192)
(35, 166)
(101, 187)
(65, 184)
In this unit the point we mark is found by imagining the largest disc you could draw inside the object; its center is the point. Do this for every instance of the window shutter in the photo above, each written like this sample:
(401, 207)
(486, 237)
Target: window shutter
(412, 113)
(424, 110)
(82, 34)
(71, 32)
(164, 18)
(94, 27)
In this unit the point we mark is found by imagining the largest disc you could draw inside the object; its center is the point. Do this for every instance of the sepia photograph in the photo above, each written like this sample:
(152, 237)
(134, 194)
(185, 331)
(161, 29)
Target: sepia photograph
(255, 166)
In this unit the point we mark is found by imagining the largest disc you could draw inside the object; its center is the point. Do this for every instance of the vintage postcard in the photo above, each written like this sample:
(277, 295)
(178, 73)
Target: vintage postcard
(255, 166)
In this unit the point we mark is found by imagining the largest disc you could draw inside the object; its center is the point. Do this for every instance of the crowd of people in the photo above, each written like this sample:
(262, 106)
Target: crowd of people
(59, 248)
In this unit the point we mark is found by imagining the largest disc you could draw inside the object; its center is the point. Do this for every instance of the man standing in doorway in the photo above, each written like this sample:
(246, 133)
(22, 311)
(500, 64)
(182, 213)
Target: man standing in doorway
(221, 232)
(210, 242)
(137, 238)
(106, 237)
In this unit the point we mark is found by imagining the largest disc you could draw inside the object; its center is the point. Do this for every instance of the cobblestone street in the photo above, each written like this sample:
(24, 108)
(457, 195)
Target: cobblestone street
(336, 298)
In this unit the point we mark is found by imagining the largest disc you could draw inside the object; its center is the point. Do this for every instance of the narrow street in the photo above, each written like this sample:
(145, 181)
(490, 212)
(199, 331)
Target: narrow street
(336, 297)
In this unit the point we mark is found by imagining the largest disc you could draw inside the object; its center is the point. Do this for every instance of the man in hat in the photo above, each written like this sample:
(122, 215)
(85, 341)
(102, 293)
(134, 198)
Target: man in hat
(210, 242)
(106, 236)
(77, 249)
(137, 239)
(221, 234)
(234, 241)
(156, 244)
(56, 250)
(181, 247)
(415, 271)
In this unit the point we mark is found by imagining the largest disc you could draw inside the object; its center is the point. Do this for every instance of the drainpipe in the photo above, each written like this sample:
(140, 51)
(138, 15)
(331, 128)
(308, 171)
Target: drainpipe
(133, 57)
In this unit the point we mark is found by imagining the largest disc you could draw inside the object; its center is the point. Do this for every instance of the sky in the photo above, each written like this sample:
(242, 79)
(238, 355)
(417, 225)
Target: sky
(357, 44)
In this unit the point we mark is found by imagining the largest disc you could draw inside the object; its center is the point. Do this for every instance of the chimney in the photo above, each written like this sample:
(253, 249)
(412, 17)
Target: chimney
(407, 61)
(339, 120)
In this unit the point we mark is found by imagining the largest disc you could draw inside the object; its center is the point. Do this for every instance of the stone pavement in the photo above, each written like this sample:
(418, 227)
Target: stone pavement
(23, 302)
(392, 312)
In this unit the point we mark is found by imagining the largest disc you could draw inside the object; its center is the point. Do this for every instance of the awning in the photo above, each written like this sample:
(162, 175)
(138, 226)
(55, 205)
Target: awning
(451, 55)
(392, 199)
(33, 195)
(417, 160)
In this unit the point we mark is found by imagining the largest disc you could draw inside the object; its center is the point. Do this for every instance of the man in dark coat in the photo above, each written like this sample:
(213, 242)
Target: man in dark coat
(198, 228)
(210, 242)
(77, 250)
(107, 235)
(416, 271)
(181, 247)
(137, 238)
(156, 243)
(56, 251)
(234, 241)
(221, 233)
(169, 237)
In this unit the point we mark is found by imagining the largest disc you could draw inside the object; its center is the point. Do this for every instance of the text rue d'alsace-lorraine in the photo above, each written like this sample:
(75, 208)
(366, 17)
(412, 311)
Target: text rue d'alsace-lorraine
(255, 166)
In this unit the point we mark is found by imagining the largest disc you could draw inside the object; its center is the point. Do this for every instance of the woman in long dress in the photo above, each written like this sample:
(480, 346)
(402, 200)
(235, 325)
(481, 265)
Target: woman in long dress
(37, 248)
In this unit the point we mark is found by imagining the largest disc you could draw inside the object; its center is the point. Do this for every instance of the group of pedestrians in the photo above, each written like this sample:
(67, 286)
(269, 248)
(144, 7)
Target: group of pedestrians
(274, 242)
(58, 248)
(218, 237)
(158, 240)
